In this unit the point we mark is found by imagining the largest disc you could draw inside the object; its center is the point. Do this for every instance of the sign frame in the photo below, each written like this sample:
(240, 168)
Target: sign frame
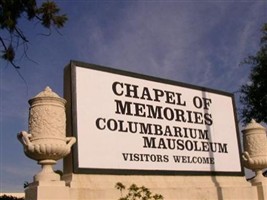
(70, 93)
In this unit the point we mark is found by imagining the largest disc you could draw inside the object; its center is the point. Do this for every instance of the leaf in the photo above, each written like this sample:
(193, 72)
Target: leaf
(9, 54)
(119, 186)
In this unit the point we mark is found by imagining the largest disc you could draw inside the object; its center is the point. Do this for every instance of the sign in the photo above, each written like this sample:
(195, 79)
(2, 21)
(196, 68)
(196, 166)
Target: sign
(127, 123)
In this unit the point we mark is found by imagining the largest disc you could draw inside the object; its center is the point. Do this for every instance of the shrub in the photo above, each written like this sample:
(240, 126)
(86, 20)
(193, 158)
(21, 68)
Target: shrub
(137, 193)
(8, 197)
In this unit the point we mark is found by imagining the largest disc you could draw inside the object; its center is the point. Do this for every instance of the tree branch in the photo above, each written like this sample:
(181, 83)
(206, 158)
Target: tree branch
(3, 43)
(21, 35)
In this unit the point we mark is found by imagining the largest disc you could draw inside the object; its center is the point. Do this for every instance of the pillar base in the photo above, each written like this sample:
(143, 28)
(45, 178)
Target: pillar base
(102, 187)
(47, 190)
(261, 189)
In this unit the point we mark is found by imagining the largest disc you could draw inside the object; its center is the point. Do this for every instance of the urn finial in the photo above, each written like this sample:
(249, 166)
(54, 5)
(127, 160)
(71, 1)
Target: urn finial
(255, 149)
(46, 139)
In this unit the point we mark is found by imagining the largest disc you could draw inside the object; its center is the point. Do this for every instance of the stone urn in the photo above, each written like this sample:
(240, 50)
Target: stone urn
(45, 141)
(255, 149)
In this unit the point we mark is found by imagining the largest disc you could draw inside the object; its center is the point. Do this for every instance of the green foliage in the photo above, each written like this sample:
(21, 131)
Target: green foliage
(59, 172)
(26, 184)
(13, 10)
(48, 12)
(137, 193)
(5, 197)
(254, 94)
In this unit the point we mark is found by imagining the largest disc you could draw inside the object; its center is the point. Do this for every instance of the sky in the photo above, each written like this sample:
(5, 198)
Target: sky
(196, 42)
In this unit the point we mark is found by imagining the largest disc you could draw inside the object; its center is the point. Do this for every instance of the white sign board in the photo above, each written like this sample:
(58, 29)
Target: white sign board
(130, 123)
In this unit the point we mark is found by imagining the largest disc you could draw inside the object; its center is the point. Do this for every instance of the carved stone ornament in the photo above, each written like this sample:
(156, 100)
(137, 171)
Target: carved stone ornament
(45, 141)
(255, 149)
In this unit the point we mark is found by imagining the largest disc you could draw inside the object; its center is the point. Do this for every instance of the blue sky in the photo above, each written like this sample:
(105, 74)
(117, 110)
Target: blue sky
(196, 42)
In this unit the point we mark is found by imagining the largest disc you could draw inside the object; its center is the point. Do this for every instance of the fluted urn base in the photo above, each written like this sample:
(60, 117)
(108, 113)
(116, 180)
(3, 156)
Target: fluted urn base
(47, 173)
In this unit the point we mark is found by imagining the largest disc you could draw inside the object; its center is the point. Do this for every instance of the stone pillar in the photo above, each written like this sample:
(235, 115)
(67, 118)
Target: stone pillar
(255, 155)
(46, 143)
